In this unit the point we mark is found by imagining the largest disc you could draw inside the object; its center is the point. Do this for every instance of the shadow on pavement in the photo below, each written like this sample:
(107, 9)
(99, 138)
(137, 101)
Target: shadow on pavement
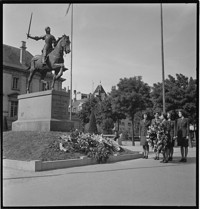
(190, 160)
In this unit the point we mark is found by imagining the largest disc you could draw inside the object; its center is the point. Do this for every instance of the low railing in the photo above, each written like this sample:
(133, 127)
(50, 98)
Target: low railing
(109, 135)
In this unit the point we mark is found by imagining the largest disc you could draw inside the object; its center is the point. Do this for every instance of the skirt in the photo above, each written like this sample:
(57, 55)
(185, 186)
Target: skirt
(183, 142)
(143, 140)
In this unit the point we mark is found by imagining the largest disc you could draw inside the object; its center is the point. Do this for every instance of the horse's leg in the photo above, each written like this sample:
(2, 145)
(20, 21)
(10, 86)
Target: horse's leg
(60, 73)
(54, 79)
(32, 72)
(43, 75)
(46, 84)
(56, 76)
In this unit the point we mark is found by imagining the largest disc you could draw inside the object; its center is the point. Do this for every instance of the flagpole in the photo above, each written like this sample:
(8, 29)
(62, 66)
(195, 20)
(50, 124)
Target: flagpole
(162, 52)
(70, 117)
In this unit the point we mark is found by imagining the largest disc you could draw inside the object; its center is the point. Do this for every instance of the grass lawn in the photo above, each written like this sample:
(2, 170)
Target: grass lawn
(32, 145)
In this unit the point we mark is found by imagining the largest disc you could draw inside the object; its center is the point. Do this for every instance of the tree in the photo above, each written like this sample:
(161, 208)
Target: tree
(180, 93)
(118, 112)
(134, 96)
(92, 123)
(84, 114)
(107, 125)
(108, 112)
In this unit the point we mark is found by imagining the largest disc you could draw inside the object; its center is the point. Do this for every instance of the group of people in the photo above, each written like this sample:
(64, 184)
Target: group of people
(162, 132)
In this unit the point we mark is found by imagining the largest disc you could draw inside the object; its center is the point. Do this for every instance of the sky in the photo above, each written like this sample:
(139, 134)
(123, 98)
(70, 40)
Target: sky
(110, 41)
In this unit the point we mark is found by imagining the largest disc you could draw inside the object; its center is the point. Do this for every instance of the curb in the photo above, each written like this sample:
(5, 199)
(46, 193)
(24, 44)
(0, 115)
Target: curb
(38, 165)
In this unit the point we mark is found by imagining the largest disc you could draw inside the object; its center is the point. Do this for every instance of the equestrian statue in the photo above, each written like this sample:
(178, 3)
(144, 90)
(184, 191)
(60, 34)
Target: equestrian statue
(51, 58)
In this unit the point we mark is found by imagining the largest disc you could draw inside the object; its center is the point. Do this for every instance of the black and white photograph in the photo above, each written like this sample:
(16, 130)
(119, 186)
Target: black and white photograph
(100, 104)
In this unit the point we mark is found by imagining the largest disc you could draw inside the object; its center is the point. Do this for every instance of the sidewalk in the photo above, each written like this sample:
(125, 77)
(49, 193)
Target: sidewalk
(9, 173)
(137, 182)
(138, 147)
(128, 145)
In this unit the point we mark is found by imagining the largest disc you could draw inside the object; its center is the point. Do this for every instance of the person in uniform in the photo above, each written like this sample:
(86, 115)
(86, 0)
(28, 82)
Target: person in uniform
(144, 124)
(182, 133)
(171, 134)
(50, 43)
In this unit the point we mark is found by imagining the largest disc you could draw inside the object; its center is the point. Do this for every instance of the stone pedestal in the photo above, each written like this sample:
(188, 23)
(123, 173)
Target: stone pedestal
(43, 111)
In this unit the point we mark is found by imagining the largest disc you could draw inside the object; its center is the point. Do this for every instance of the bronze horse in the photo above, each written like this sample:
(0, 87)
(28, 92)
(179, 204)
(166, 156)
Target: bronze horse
(55, 62)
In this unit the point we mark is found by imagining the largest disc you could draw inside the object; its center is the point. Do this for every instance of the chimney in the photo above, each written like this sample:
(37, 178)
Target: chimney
(74, 95)
(23, 53)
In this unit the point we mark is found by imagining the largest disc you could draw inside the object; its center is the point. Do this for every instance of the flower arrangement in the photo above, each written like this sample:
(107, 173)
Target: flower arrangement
(157, 137)
(94, 146)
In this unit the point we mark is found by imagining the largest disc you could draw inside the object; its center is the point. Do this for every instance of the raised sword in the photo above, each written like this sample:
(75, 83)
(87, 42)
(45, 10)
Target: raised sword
(29, 25)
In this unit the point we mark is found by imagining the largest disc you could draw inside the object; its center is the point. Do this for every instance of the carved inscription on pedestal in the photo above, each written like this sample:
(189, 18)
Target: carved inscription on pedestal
(59, 107)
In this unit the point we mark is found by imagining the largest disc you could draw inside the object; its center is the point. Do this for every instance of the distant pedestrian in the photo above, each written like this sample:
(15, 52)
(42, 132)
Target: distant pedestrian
(116, 135)
(156, 123)
(182, 132)
(144, 125)
(120, 138)
(171, 134)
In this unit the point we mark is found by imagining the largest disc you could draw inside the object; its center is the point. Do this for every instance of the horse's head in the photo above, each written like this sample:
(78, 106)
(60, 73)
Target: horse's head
(65, 43)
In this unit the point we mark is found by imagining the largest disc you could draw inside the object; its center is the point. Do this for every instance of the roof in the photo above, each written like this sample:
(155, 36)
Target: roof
(99, 90)
(78, 102)
(11, 57)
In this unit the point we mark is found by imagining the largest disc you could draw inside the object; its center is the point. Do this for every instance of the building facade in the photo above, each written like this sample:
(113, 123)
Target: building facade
(15, 76)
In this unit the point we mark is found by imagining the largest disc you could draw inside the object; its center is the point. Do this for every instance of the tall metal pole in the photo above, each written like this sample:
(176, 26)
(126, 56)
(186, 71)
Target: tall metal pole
(70, 116)
(162, 52)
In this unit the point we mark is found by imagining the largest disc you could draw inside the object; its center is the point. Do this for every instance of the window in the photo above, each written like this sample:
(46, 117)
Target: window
(129, 124)
(15, 84)
(13, 110)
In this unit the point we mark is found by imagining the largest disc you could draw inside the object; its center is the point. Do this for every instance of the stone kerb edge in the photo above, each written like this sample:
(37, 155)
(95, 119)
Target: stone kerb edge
(59, 164)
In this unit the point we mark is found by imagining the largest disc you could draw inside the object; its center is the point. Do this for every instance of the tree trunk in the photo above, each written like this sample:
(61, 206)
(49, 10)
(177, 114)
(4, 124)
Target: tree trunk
(133, 135)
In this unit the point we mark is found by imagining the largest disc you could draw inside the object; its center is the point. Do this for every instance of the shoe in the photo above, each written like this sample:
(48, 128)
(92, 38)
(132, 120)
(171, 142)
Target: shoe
(155, 158)
(146, 157)
(162, 161)
(165, 161)
(182, 160)
(170, 158)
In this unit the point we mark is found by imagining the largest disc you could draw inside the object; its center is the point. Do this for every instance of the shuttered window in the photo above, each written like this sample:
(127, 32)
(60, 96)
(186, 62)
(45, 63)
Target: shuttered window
(15, 84)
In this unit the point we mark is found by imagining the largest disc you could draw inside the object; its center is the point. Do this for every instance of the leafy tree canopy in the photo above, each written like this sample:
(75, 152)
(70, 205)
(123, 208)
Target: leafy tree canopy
(180, 93)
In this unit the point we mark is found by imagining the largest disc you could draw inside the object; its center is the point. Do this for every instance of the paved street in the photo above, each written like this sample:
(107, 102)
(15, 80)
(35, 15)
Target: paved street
(134, 182)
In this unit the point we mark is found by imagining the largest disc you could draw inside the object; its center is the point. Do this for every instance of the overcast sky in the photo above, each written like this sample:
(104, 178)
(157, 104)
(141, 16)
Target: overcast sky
(111, 41)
